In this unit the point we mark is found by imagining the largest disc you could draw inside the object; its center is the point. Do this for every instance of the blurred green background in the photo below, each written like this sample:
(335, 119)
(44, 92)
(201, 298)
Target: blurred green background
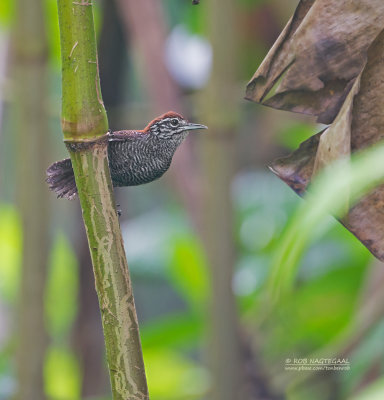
(201, 243)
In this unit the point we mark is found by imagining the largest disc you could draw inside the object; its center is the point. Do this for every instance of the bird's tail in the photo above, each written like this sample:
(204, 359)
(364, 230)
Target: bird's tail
(61, 179)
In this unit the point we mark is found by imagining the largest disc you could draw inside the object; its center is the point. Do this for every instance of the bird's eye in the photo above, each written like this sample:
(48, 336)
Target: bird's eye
(174, 122)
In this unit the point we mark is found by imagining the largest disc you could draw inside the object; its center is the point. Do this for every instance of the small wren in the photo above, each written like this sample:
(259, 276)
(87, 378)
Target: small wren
(135, 157)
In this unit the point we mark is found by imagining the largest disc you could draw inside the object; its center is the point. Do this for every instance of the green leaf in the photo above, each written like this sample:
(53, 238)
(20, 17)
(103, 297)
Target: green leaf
(62, 288)
(172, 376)
(53, 34)
(62, 375)
(312, 216)
(10, 252)
(188, 271)
(304, 322)
(7, 11)
(171, 330)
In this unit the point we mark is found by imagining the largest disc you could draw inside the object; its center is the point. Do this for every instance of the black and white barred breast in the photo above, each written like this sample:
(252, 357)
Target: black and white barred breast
(138, 161)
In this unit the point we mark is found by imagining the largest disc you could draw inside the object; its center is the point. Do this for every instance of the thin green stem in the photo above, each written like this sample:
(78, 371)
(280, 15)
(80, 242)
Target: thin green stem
(83, 112)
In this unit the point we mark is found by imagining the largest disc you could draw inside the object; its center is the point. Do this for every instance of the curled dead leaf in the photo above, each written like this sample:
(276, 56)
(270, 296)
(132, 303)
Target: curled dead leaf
(317, 57)
(359, 124)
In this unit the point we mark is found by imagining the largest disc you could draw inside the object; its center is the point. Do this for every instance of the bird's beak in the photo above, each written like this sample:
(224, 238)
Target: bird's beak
(190, 127)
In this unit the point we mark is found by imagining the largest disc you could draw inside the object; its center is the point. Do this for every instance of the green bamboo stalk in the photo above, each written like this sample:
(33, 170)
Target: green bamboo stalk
(84, 124)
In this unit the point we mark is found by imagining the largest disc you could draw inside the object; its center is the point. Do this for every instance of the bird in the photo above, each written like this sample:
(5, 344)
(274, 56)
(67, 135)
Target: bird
(135, 157)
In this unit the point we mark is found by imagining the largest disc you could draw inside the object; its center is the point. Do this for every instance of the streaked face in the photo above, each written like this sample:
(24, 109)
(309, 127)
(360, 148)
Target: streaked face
(172, 126)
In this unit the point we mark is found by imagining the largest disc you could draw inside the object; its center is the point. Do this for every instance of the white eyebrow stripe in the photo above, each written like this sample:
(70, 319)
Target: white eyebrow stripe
(168, 119)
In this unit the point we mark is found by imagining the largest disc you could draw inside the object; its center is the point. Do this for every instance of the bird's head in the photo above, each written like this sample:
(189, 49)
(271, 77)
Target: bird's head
(171, 125)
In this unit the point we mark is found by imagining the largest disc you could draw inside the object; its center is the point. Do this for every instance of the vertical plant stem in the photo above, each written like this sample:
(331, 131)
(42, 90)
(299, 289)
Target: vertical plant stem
(217, 163)
(29, 71)
(84, 124)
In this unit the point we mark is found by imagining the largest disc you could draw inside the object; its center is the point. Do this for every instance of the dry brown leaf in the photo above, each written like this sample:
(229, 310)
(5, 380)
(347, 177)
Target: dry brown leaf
(335, 142)
(318, 56)
(363, 117)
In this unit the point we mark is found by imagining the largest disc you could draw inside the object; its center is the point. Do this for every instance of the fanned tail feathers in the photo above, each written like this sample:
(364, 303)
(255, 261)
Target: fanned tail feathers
(61, 179)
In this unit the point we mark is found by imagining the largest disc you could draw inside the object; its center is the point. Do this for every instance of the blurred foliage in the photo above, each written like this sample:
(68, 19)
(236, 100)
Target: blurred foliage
(188, 271)
(174, 376)
(62, 374)
(6, 12)
(294, 133)
(374, 391)
(285, 247)
(369, 353)
(330, 278)
(326, 196)
(10, 252)
(174, 330)
(61, 293)
(53, 34)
